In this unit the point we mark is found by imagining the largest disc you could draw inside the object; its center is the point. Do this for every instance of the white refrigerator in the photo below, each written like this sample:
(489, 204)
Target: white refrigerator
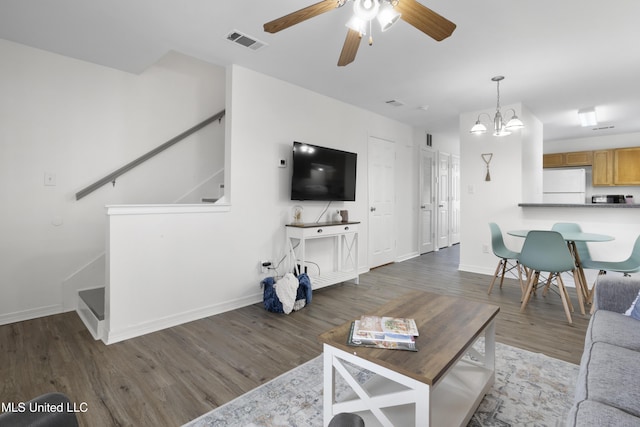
(564, 186)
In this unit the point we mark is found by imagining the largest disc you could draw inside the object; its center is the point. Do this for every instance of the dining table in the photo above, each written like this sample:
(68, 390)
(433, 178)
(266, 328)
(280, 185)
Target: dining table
(571, 237)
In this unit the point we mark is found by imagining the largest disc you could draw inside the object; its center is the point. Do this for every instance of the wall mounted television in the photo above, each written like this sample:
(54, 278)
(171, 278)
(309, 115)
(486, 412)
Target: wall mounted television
(321, 173)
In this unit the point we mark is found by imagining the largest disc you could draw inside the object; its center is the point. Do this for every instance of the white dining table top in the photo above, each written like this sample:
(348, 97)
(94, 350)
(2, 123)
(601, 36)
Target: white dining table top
(570, 236)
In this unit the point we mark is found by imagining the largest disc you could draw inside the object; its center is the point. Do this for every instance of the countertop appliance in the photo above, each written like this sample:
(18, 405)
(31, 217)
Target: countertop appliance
(608, 198)
(564, 186)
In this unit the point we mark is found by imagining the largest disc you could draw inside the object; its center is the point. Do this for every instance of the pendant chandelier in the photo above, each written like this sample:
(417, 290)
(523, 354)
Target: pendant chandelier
(499, 127)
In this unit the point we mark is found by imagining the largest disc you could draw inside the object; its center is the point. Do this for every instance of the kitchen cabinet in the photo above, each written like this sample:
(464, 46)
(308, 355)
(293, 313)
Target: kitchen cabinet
(575, 158)
(554, 160)
(626, 166)
(602, 172)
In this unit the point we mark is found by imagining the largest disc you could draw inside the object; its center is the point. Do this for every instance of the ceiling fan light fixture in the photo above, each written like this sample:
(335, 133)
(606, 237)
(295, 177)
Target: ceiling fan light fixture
(387, 16)
(366, 9)
(357, 24)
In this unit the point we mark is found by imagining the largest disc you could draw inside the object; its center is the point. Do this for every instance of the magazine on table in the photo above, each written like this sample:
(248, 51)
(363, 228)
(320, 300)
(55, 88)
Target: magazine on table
(380, 340)
(389, 325)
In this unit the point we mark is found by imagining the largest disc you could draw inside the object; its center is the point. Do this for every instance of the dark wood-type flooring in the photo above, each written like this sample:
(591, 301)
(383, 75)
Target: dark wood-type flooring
(172, 376)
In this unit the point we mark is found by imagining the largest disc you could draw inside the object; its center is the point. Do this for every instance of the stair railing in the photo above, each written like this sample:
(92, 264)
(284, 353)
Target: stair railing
(126, 168)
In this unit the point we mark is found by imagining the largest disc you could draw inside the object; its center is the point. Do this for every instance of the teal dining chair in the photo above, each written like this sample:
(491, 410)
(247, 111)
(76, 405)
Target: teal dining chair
(546, 251)
(626, 267)
(581, 247)
(508, 258)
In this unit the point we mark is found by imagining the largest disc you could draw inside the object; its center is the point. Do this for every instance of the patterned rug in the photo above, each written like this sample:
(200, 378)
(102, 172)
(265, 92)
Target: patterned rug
(530, 389)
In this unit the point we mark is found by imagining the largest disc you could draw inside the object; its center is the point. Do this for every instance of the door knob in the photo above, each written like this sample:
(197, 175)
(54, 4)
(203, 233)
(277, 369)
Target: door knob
(423, 206)
(372, 209)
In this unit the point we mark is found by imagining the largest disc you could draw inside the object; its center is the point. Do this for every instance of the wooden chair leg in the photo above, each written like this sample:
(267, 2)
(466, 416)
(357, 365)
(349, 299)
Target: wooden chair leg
(520, 279)
(566, 302)
(580, 294)
(529, 290)
(495, 275)
(504, 271)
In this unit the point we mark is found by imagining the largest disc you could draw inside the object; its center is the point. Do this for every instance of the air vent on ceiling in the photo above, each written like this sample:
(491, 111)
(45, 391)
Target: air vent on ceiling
(395, 103)
(245, 40)
(604, 127)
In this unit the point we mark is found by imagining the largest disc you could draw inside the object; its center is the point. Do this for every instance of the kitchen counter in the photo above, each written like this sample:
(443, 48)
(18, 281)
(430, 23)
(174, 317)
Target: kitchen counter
(578, 205)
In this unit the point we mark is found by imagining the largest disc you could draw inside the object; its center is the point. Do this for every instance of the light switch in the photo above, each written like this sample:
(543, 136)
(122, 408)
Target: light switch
(49, 179)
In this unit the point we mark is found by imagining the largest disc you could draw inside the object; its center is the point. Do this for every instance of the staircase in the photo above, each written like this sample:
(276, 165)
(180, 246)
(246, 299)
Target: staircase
(91, 310)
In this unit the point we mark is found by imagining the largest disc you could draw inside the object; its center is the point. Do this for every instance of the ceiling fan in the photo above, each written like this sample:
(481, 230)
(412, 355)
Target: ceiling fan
(387, 12)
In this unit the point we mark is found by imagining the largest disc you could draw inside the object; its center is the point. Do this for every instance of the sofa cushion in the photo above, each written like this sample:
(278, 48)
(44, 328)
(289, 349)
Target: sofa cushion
(590, 413)
(609, 375)
(614, 328)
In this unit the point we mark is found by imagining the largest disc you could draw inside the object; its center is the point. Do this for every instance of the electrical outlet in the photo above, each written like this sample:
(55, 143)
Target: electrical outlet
(485, 249)
(264, 266)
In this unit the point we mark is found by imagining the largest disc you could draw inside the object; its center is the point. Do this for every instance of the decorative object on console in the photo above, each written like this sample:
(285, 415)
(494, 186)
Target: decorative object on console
(297, 214)
(499, 128)
(345, 215)
(337, 217)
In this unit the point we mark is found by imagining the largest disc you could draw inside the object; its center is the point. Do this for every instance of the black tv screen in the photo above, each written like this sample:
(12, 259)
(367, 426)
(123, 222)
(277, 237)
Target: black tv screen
(321, 173)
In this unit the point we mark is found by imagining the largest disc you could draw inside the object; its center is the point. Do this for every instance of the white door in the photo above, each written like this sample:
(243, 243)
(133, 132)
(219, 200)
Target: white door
(443, 200)
(382, 158)
(454, 191)
(427, 201)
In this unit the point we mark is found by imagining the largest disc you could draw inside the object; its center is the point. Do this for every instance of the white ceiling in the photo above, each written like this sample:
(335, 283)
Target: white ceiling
(556, 56)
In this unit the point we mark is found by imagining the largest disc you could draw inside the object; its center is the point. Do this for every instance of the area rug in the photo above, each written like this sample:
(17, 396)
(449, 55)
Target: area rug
(530, 389)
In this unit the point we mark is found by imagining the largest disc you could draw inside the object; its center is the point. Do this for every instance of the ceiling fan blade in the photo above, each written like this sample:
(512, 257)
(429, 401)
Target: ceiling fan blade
(300, 15)
(350, 48)
(425, 19)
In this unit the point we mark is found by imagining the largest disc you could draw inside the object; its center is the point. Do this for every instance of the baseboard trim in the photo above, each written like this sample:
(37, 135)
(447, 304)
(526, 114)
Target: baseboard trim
(111, 337)
(477, 269)
(406, 257)
(34, 313)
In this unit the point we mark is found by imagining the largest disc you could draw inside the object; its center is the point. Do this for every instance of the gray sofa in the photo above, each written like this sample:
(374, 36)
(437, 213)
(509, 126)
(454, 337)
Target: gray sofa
(608, 386)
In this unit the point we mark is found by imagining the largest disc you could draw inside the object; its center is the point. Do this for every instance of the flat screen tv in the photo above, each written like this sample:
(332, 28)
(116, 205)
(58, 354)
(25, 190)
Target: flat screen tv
(321, 173)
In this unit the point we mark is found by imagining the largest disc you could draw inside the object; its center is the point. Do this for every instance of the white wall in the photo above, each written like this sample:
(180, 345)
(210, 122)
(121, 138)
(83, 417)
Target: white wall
(80, 121)
(513, 171)
(267, 115)
(230, 243)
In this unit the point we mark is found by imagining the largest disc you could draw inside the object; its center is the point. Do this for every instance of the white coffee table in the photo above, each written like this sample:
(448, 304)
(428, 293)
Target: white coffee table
(433, 386)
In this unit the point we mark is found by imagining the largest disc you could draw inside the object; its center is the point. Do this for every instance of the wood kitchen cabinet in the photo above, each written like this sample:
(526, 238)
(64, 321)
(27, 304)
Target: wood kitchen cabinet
(626, 166)
(554, 160)
(575, 158)
(617, 166)
(602, 172)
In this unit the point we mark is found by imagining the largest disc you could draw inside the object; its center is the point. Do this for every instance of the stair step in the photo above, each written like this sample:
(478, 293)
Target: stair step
(94, 299)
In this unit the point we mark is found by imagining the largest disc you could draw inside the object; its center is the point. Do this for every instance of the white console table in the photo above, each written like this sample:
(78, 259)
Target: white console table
(345, 249)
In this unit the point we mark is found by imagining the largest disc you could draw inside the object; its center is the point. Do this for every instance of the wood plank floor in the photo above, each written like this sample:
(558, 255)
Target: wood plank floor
(170, 377)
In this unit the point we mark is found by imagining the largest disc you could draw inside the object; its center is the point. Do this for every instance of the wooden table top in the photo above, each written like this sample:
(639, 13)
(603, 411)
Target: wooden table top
(447, 326)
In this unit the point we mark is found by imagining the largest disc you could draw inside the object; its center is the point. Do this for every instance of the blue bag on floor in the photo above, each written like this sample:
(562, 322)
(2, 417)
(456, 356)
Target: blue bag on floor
(272, 302)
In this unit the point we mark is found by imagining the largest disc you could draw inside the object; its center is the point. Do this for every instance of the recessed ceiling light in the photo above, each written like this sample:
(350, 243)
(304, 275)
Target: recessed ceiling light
(587, 117)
